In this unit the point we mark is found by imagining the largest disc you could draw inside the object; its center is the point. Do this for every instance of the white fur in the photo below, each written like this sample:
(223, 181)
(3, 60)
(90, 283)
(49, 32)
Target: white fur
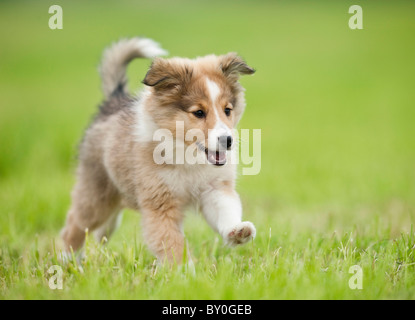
(144, 124)
(223, 212)
(220, 129)
(149, 48)
(194, 180)
(213, 89)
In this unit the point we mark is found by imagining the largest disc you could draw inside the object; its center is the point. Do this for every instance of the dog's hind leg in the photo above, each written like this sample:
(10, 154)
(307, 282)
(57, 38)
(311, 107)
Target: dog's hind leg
(94, 203)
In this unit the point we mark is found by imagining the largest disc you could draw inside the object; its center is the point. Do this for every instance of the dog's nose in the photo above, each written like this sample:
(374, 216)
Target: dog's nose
(225, 141)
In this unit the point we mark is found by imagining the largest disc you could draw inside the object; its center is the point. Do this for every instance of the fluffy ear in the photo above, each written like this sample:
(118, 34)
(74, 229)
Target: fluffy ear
(164, 74)
(233, 66)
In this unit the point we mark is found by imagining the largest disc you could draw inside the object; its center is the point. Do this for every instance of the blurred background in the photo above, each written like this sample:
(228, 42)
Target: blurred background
(335, 106)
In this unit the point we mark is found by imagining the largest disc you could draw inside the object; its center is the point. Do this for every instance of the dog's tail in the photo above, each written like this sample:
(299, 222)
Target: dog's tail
(116, 58)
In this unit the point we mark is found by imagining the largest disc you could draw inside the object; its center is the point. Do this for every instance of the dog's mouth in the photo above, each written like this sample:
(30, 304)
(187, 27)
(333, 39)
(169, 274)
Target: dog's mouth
(217, 158)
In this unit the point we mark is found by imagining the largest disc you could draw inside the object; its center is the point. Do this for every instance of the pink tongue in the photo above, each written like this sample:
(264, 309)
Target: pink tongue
(216, 157)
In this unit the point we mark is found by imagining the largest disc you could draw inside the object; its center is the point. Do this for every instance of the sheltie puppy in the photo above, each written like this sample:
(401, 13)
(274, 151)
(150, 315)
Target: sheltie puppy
(117, 167)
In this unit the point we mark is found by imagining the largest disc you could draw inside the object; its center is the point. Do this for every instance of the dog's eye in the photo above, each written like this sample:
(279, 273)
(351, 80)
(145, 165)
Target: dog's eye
(228, 111)
(199, 114)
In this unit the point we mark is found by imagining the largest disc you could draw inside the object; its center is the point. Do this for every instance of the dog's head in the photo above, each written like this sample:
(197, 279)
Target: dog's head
(204, 94)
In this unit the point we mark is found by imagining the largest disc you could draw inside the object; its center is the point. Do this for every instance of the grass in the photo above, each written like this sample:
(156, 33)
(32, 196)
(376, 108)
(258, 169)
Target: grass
(336, 187)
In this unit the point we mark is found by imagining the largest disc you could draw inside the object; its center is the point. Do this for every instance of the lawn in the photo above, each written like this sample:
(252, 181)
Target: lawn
(337, 183)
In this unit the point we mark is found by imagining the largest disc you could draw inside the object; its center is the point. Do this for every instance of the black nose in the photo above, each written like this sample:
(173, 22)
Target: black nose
(225, 141)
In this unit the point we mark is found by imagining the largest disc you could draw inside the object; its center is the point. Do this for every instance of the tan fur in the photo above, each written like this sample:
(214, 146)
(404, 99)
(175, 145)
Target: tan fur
(116, 171)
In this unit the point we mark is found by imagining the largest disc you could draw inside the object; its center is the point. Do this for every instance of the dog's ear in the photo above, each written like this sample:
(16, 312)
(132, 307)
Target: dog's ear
(233, 66)
(164, 74)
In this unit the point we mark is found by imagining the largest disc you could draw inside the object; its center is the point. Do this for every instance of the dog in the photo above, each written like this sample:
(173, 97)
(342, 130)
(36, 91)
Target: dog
(116, 168)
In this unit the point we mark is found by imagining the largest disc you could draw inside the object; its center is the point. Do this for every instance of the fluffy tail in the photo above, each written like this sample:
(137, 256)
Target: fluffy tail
(116, 58)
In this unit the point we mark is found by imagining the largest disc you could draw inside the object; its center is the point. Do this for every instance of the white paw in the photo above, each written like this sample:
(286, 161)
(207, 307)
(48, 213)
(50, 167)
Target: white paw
(65, 257)
(240, 234)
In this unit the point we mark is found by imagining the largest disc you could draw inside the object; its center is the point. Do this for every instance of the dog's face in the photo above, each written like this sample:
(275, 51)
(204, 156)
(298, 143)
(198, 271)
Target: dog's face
(205, 95)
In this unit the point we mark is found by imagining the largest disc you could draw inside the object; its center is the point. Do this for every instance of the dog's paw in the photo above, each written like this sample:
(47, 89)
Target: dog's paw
(65, 257)
(240, 234)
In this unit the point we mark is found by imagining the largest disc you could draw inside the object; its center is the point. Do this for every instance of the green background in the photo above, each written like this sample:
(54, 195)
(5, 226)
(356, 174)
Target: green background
(336, 110)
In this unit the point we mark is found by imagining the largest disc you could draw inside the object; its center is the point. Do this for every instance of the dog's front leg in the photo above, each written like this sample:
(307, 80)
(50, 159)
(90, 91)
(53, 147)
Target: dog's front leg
(223, 211)
(162, 230)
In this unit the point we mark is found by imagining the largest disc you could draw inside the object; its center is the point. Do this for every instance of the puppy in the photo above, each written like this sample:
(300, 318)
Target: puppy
(117, 167)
